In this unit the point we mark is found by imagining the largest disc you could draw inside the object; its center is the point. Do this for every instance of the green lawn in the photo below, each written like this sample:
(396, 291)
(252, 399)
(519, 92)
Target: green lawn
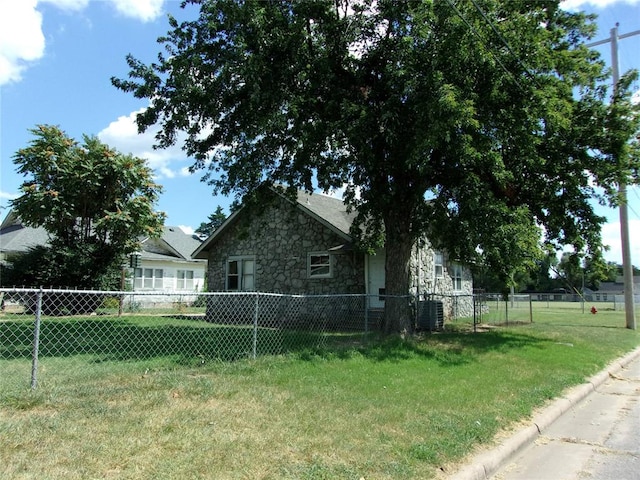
(339, 408)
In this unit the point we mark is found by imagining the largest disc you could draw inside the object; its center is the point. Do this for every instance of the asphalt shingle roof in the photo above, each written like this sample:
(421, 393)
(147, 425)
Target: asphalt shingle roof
(18, 238)
(174, 243)
(328, 210)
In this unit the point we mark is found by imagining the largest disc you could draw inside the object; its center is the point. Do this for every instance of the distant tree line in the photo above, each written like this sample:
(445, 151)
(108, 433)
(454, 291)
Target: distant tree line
(569, 272)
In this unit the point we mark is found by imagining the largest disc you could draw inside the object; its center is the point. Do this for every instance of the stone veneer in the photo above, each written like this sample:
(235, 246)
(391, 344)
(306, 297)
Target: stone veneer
(280, 240)
(424, 283)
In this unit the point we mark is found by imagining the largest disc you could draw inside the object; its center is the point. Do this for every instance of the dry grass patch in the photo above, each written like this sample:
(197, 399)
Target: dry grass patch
(383, 410)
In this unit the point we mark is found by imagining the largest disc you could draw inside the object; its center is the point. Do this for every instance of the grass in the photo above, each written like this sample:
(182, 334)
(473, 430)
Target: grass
(344, 409)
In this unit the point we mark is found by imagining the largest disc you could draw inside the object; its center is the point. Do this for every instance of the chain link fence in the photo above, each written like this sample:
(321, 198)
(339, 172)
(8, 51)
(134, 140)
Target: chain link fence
(122, 326)
(99, 326)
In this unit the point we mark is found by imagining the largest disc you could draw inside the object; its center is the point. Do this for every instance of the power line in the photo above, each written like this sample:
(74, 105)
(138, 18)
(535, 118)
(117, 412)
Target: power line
(475, 32)
(502, 39)
(635, 191)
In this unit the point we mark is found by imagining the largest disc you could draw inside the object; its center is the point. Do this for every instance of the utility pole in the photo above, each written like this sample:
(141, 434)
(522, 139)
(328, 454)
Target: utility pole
(627, 267)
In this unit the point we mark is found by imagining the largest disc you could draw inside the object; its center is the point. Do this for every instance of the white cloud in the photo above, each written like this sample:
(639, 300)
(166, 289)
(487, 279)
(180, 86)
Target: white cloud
(7, 195)
(68, 5)
(186, 229)
(184, 172)
(21, 38)
(143, 10)
(122, 134)
(573, 5)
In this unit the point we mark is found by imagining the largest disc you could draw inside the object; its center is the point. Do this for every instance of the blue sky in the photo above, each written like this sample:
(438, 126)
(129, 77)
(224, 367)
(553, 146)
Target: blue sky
(57, 58)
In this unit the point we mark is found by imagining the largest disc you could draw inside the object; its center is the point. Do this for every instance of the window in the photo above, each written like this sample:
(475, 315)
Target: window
(319, 265)
(456, 276)
(381, 294)
(438, 264)
(185, 279)
(148, 279)
(241, 274)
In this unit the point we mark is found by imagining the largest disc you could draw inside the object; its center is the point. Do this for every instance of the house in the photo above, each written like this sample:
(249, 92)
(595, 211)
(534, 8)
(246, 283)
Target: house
(304, 247)
(16, 239)
(613, 291)
(165, 262)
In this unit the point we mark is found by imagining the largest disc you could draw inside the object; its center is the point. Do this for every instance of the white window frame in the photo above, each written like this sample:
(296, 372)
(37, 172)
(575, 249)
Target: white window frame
(185, 279)
(325, 268)
(438, 264)
(146, 278)
(456, 276)
(246, 273)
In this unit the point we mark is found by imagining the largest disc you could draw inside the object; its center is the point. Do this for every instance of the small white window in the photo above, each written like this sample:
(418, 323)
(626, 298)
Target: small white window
(185, 280)
(319, 265)
(456, 277)
(148, 279)
(438, 264)
(241, 274)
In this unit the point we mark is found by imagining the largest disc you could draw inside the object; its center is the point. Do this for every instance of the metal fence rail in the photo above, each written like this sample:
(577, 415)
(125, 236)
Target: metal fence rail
(99, 326)
(119, 326)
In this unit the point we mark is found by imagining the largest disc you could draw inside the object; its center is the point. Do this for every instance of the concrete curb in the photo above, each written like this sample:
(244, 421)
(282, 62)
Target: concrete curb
(484, 465)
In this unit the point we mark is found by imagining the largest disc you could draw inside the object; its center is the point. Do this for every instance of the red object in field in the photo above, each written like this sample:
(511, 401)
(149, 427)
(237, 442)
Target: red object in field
(594, 310)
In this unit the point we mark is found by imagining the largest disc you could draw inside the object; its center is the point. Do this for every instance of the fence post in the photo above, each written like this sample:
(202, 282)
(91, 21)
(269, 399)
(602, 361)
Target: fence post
(506, 310)
(36, 341)
(530, 309)
(255, 329)
(366, 314)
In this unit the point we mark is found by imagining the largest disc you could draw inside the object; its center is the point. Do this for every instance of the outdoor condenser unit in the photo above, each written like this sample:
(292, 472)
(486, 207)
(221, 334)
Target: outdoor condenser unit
(430, 315)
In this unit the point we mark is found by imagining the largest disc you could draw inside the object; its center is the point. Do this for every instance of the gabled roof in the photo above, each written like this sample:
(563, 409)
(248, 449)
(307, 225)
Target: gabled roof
(330, 211)
(173, 244)
(17, 238)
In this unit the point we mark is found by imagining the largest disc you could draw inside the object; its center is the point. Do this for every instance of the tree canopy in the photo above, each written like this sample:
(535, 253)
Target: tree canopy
(216, 219)
(94, 202)
(482, 125)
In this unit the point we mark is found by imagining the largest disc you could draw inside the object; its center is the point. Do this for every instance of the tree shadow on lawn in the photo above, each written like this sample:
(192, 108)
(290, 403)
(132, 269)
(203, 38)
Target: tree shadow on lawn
(447, 348)
(140, 338)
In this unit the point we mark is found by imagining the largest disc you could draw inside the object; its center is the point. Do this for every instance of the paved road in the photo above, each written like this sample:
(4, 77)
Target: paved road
(598, 438)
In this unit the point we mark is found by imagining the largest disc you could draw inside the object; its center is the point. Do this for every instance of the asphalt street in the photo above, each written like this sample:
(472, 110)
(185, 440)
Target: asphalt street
(591, 433)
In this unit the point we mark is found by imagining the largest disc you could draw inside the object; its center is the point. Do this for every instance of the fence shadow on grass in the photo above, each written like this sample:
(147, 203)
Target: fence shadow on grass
(123, 339)
(191, 339)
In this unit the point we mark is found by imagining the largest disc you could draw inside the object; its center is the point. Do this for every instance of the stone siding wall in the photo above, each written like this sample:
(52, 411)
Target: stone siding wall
(280, 239)
(457, 303)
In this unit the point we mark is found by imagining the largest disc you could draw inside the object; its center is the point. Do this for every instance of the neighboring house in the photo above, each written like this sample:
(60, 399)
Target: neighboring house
(165, 262)
(304, 247)
(16, 239)
(608, 291)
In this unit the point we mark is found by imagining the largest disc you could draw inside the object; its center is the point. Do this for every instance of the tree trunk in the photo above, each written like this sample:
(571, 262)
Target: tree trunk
(398, 316)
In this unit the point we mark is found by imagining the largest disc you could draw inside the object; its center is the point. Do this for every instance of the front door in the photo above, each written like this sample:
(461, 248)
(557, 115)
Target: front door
(375, 287)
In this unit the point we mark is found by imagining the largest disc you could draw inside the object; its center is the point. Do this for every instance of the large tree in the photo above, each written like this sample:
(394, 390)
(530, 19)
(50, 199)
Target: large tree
(94, 202)
(479, 123)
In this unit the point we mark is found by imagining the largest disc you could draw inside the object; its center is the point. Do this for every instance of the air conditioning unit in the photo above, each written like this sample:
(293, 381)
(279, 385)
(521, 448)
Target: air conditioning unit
(430, 315)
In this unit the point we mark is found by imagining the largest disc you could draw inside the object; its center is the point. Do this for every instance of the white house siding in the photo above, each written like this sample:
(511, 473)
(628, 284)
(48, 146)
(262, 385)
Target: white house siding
(425, 284)
(169, 282)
